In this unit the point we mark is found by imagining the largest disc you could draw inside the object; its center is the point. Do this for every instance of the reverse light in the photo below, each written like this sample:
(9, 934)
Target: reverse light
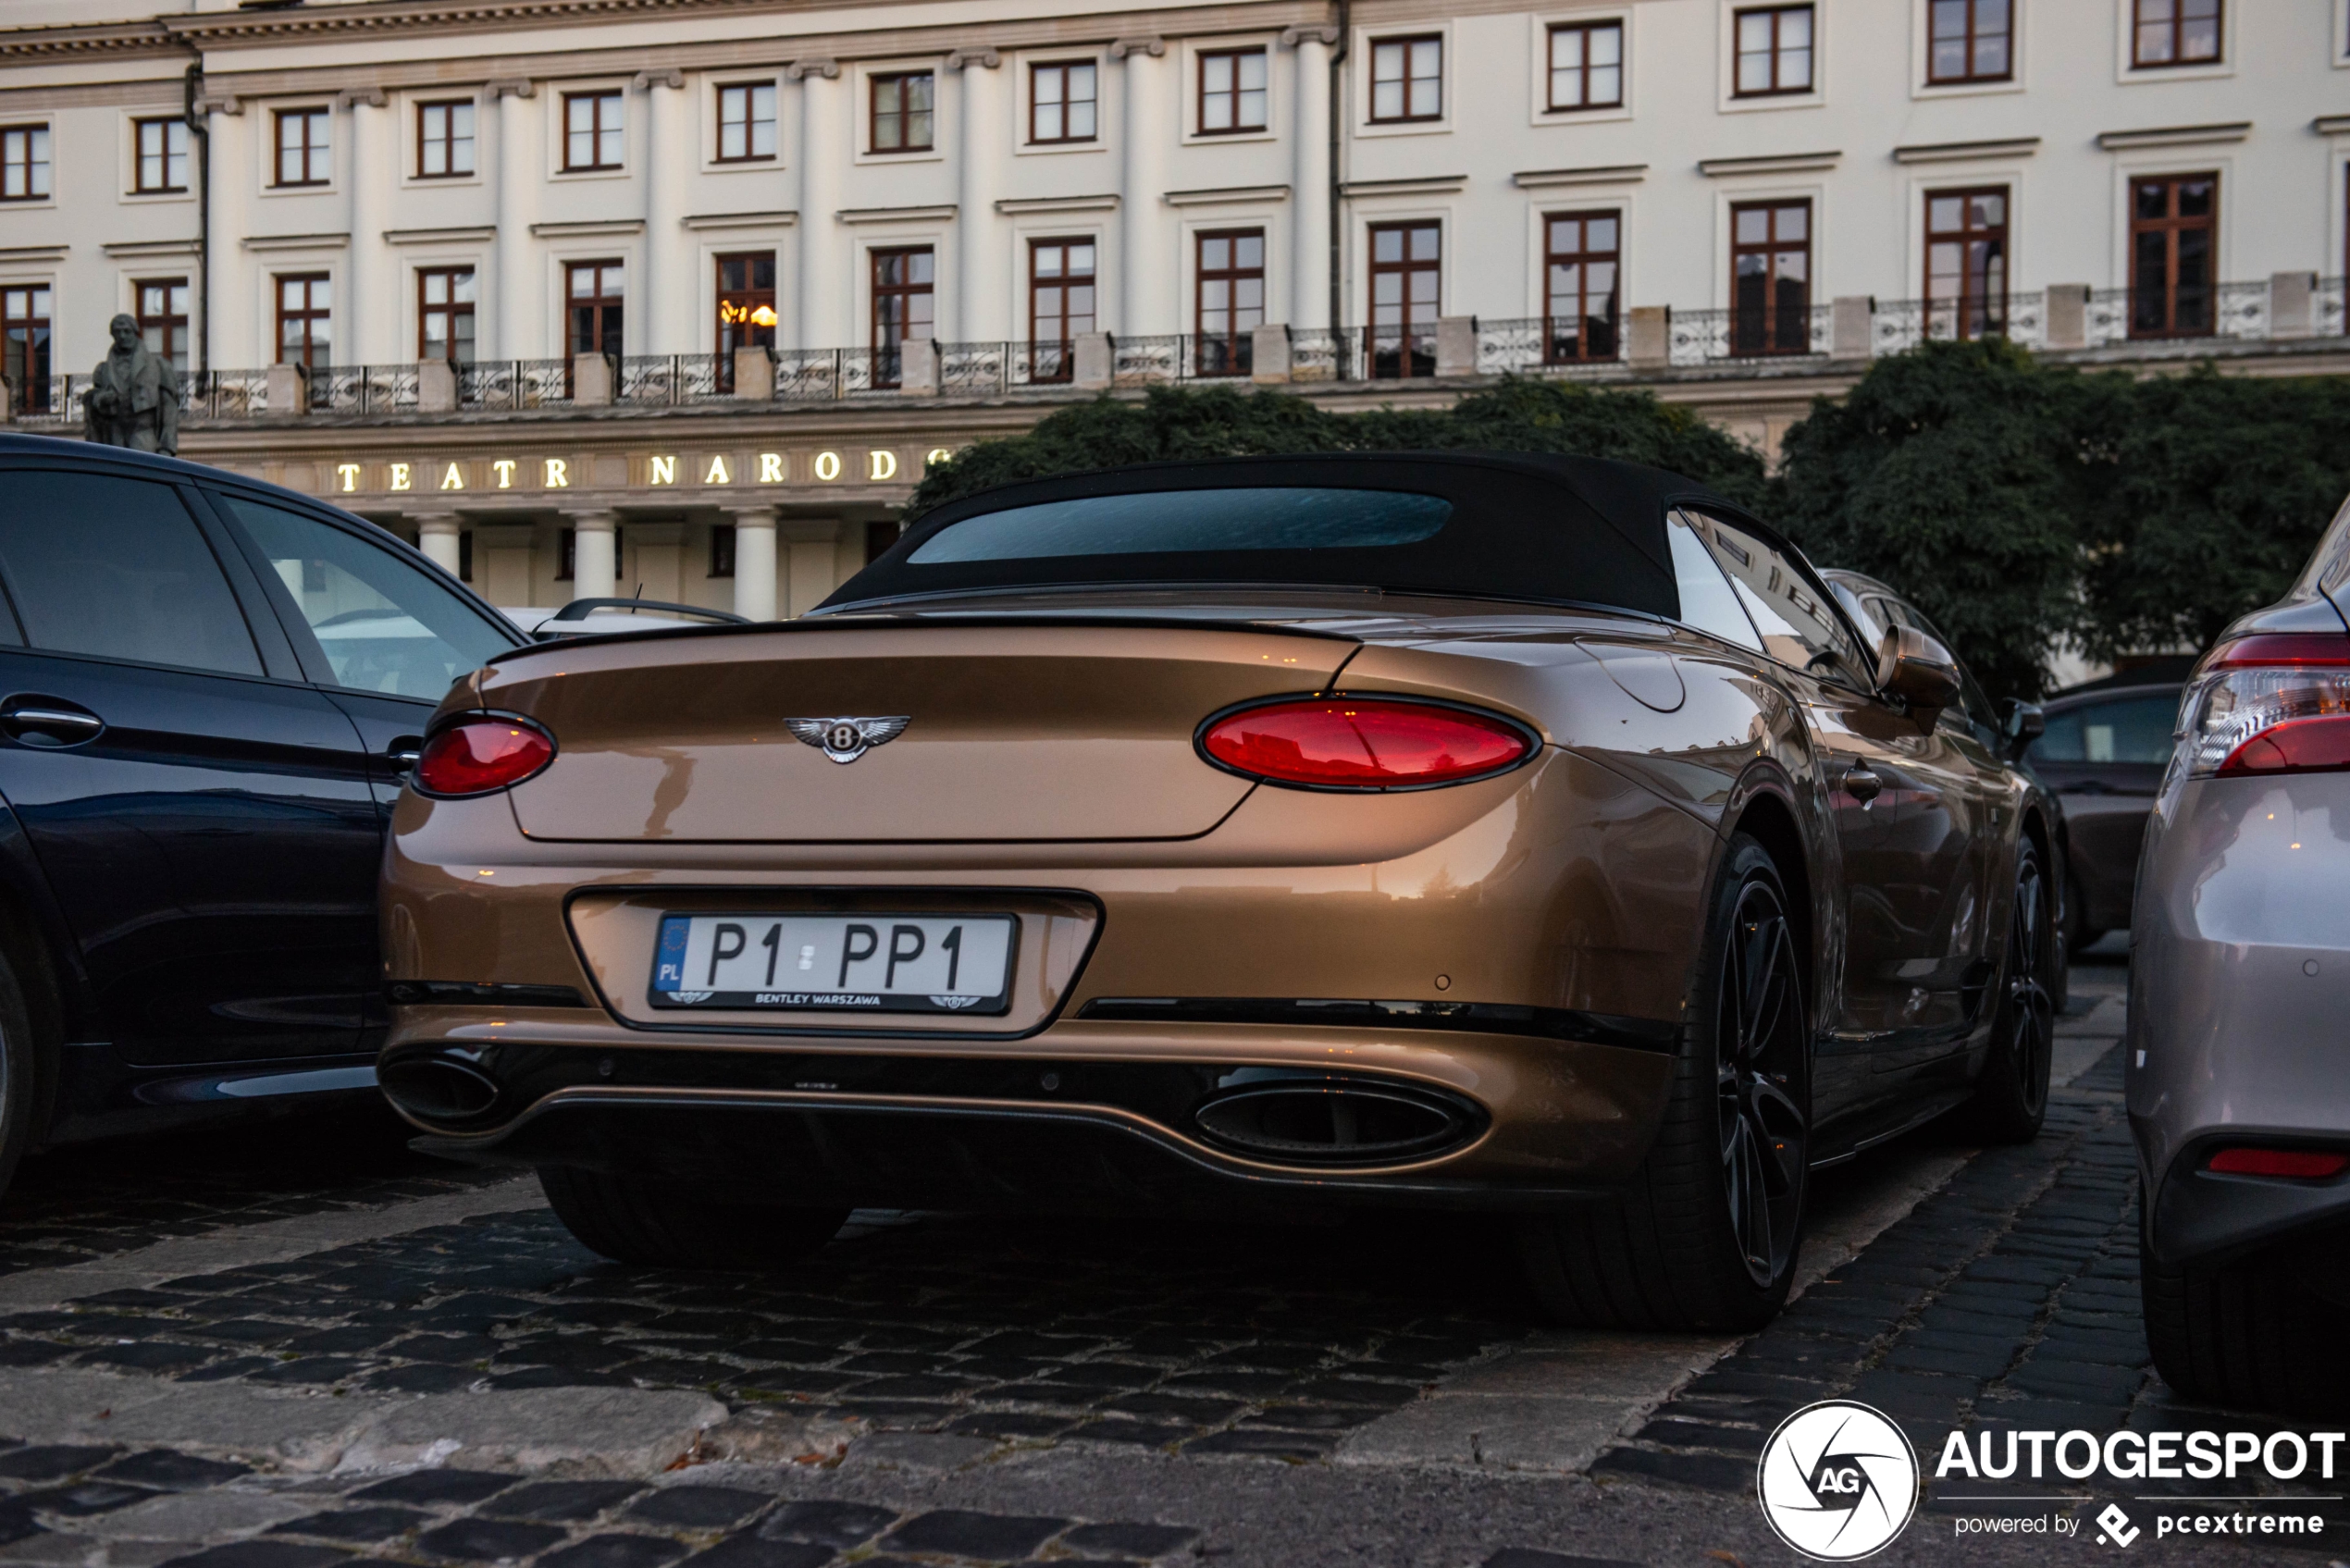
(479, 756)
(1355, 743)
(2306, 1164)
(2269, 704)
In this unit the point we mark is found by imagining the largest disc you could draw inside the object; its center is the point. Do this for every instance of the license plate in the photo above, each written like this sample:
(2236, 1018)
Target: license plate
(844, 963)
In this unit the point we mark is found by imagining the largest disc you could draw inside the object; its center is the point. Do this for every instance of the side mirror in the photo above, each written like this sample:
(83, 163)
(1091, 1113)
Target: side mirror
(2026, 722)
(1917, 670)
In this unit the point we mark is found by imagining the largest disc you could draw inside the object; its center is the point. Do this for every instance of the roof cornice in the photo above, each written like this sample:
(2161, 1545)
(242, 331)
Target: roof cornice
(101, 41)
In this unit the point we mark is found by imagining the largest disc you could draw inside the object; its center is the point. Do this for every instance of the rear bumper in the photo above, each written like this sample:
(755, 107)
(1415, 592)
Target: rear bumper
(2239, 1020)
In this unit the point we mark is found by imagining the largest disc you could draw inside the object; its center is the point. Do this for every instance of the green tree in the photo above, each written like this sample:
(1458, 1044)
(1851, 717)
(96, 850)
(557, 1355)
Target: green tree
(1956, 474)
(1517, 414)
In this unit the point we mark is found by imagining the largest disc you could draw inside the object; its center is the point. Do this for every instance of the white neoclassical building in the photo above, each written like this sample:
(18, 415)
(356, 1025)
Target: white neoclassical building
(683, 294)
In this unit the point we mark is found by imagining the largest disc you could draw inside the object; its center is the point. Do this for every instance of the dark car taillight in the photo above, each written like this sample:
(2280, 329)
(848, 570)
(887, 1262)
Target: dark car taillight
(1364, 742)
(2271, 703)
(479, 756)
(2303, 1165)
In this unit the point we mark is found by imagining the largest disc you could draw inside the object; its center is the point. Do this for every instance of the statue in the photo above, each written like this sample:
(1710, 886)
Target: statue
(134, 396)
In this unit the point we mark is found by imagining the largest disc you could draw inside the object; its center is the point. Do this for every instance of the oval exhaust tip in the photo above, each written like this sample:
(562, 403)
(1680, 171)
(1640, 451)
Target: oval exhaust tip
(1323, 1122)
(437, 1089)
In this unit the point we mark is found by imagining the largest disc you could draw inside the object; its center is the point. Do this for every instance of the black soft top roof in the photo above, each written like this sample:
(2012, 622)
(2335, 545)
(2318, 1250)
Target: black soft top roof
(1525, 526)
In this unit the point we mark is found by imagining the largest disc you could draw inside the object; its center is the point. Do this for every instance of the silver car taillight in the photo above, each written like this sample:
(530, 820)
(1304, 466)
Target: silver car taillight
(2277, 703)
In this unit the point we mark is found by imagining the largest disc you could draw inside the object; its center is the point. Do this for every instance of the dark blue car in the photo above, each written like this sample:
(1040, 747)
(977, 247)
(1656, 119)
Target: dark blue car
(209, 691)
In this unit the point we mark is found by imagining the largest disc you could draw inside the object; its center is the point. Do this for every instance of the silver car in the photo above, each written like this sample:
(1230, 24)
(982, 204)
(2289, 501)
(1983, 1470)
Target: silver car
(2239, 1030)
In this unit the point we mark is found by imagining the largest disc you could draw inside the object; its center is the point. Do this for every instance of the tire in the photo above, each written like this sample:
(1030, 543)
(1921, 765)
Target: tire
(2012, 1097)
(18, 1083)
(671, 1225)
(1706, 1233)
(2251, 1335)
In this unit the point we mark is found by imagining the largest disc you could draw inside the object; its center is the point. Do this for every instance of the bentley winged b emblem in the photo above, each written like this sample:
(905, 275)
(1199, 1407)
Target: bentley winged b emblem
(844, 740)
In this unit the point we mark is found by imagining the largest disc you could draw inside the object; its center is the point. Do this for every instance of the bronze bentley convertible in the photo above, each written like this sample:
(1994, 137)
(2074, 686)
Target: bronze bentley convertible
(1515, 833)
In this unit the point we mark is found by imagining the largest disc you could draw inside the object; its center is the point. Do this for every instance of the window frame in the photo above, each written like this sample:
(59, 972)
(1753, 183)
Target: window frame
(601, 302)
(887, 351)
(1235, 347)
(1770, 247)
(597, 97)
(1584, 259)
(1407, 360)
(453, 308)
(1036, 69)
(1551, 33)
(1064, 347)
(1407, 40)
(1777, 13)
(2178, 61)
(309, 313)
(2173, 225)
(749, 123)
(1235, 53)
(47, 163)
(175, 327)
(449, 139)
(311, 152)
(33, 395)
(873, 113)
(1971, 77)
(747, 332)
(1994, 317)
(139, 127)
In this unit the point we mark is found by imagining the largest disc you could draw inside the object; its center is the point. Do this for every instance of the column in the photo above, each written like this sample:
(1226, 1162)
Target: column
(670, 291)
(367, 316)
(755, 562)
(229, 291)
(1310, 177)
(517, 328)
(1147, 301)
(594, 564)
(982, 291)
(437, 536)
(825, 299)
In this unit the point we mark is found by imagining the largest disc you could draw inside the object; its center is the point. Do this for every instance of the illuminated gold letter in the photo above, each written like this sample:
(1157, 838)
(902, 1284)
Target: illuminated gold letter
(665, 471)
(770, 468)
(828, 465)
(453, 479)
(399, 476)
(883, 463)
(505, 467)
(937, 455)
(558, 475)
(718, 474)
(349, 473)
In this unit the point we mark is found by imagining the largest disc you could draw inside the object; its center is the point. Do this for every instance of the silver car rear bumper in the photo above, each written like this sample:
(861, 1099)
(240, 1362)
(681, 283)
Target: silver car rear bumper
(2239, 1024)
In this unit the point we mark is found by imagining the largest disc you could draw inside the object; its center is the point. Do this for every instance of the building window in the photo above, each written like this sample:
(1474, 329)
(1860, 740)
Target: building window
(306, 320)
(1966, 263)
(591, 131)
(902, 116)
(722, 549)
(162, 157)
(746, 308)
(1406, 276)
(879, 537)
(903, 281)
(1583, 260)
(163, 318)
(1587, 66)
(304, 154)
(2173, 231)
(1771, 278)
(464, 555)
(1407, 79)
(1227, 301)
(1061, 304)
(1061, 105)
(2174, 32)
(24, 163)
(445, 314)
(568, 553)
(592, 310)
(24, 345)
(1774, 51)
(1231, 91)
(747, 122)
(445, 139)
(1970, 40)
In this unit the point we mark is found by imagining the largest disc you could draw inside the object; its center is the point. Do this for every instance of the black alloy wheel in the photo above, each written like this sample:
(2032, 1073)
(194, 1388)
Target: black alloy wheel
(1760, 1052)
(2012, 1097)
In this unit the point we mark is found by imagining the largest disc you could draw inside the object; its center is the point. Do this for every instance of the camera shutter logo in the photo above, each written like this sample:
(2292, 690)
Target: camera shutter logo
(1838, 1481)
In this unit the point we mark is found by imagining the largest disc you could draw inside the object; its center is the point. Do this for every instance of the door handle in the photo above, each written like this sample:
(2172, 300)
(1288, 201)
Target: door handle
(1862, 784)
(48, 723)
(403, 753)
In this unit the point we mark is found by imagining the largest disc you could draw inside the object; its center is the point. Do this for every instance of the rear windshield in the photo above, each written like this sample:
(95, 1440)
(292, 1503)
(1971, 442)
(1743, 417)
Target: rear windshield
(1402, 525)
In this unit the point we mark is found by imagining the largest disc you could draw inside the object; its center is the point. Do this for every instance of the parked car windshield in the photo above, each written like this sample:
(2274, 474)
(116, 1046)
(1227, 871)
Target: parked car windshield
(2134, 729)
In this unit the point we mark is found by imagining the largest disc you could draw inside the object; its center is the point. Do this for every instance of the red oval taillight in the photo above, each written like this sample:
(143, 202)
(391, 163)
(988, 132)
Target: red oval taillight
(1364, 742)
(481, 755)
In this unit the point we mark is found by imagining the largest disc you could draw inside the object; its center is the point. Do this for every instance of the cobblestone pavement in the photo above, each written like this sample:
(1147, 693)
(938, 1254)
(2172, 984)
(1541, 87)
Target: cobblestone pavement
(958, 1389)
